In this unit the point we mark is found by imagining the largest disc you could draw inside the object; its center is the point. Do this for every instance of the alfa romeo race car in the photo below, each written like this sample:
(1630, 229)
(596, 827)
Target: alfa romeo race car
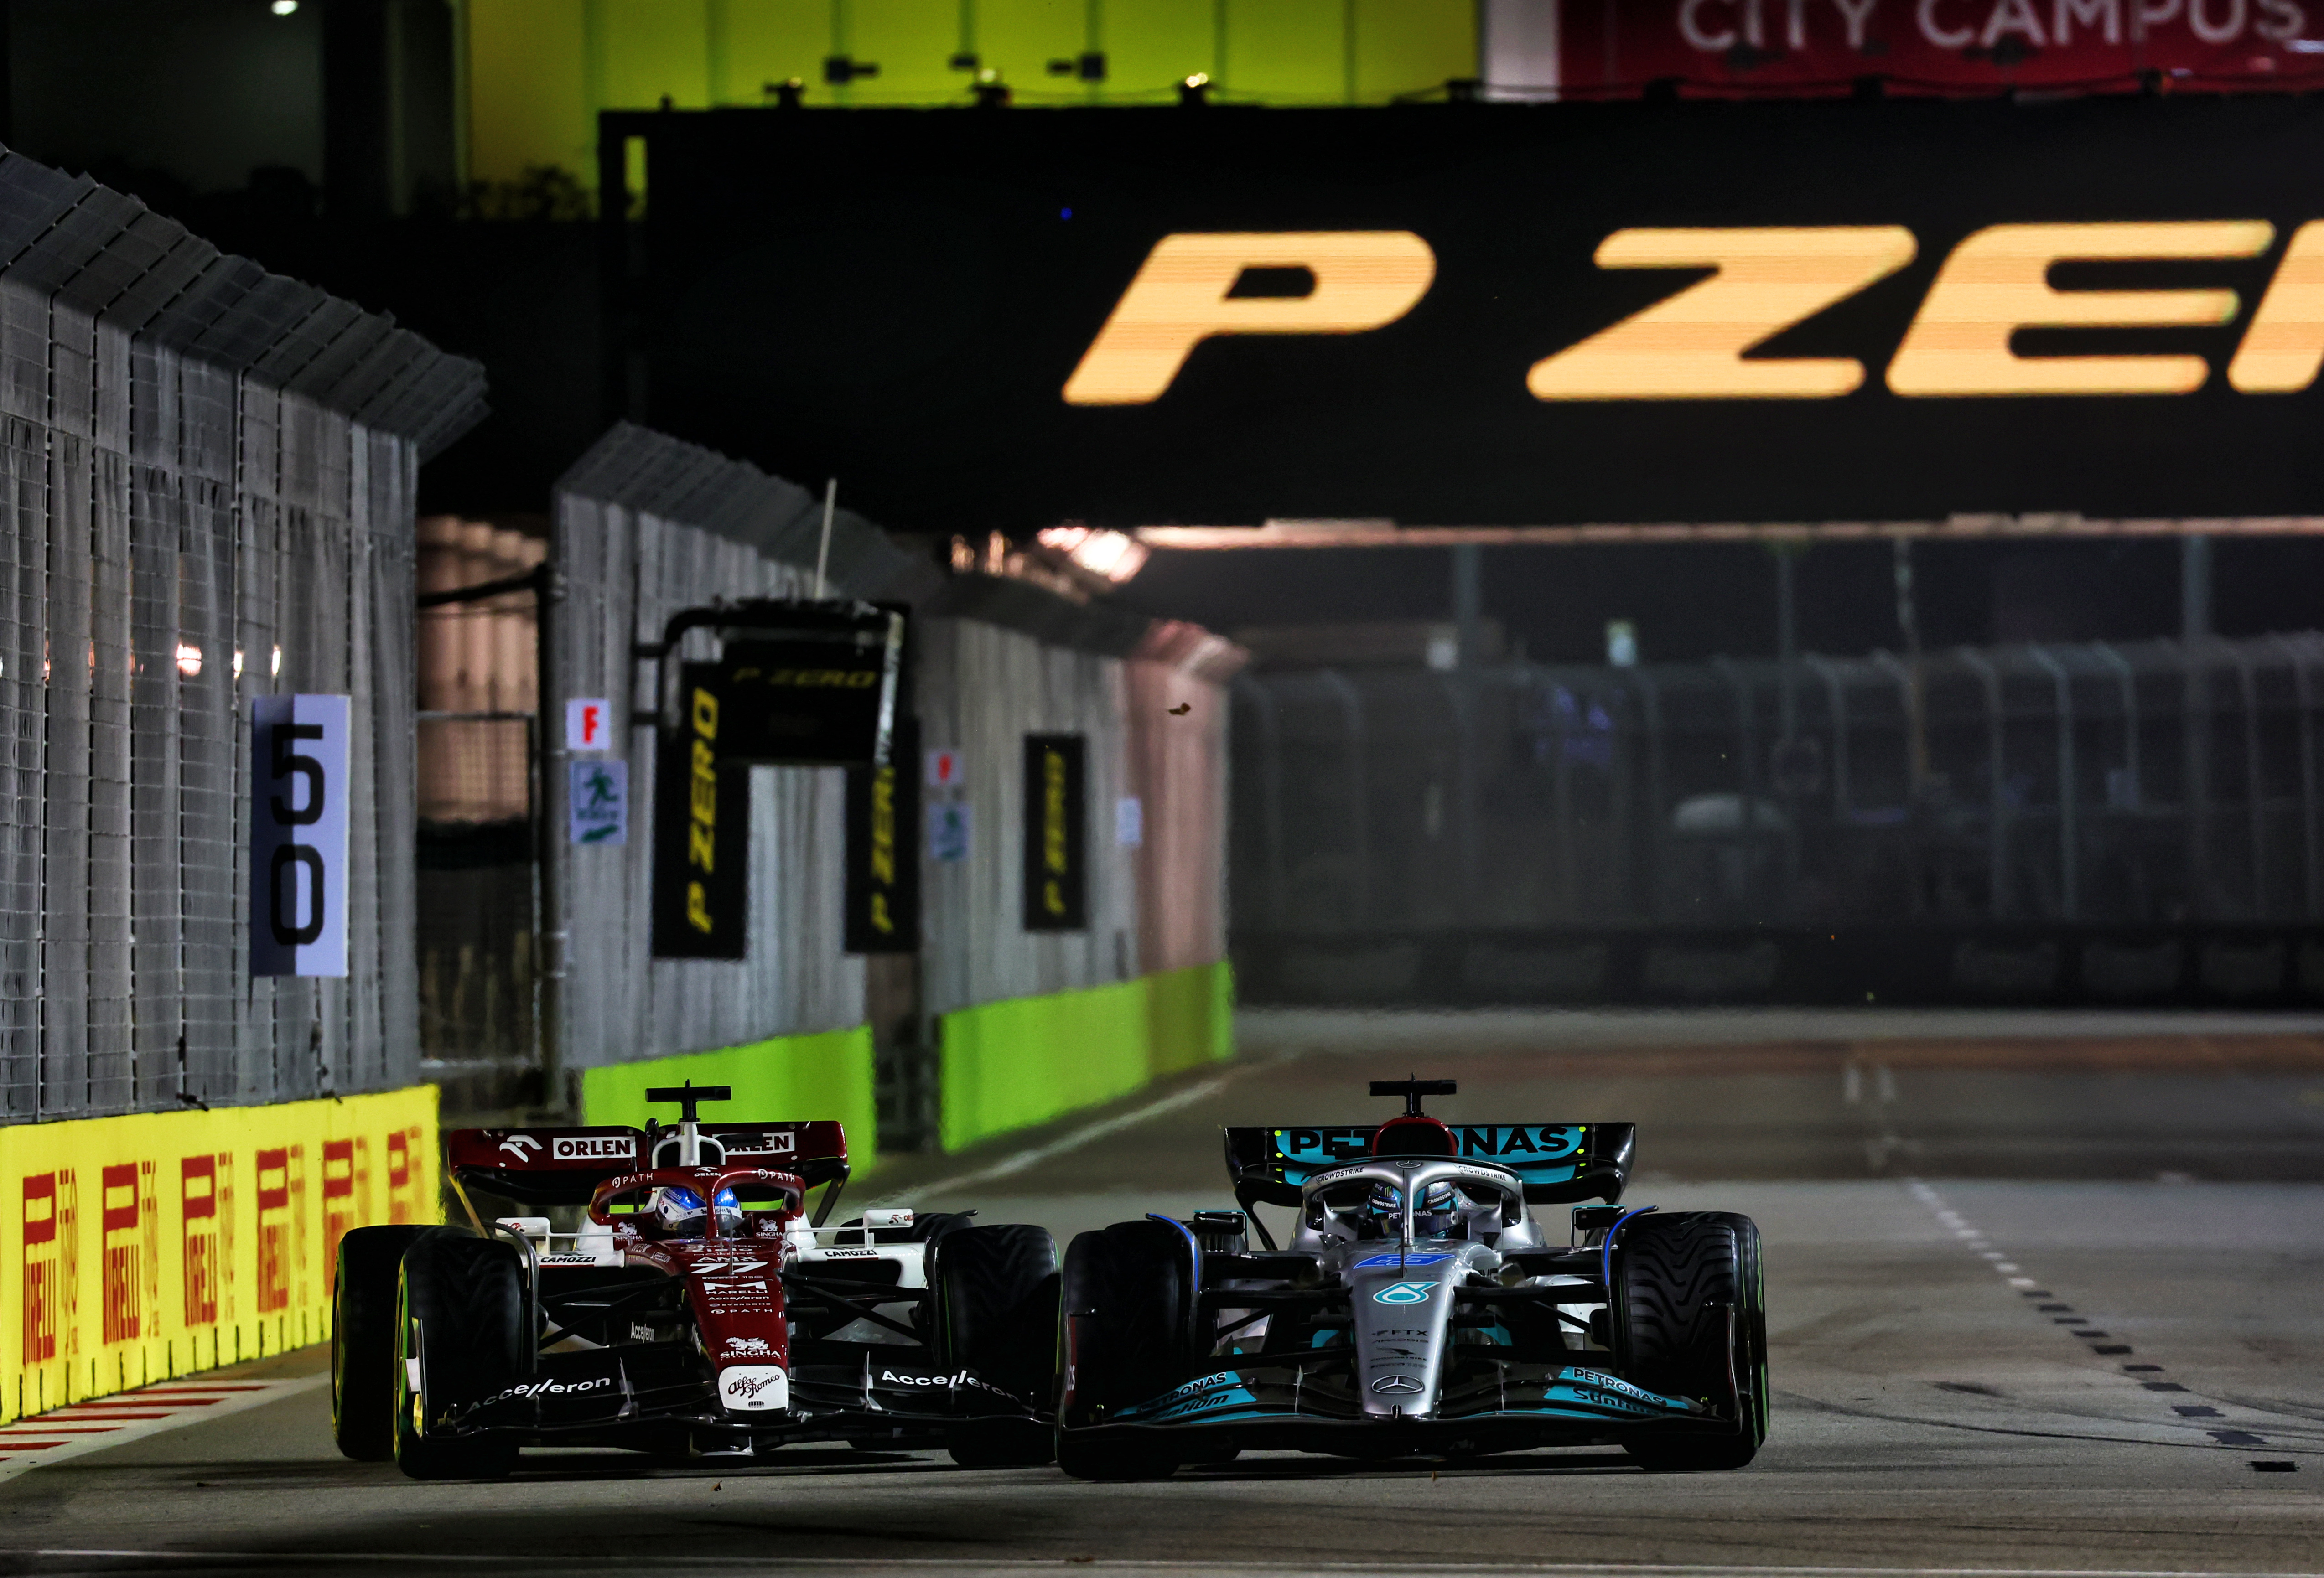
(1419, 1309)
(694, 1309)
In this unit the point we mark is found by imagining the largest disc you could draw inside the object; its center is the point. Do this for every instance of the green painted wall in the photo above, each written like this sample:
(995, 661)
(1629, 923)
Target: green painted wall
(801, 1077)
(1007, 1064)
(537, 71)
(1013, 1064)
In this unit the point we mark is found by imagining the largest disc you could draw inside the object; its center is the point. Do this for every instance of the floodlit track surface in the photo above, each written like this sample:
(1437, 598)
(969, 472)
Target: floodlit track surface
(2039, 1302)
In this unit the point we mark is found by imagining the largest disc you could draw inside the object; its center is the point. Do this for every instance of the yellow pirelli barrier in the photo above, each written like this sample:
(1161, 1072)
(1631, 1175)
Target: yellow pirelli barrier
(148, 1246)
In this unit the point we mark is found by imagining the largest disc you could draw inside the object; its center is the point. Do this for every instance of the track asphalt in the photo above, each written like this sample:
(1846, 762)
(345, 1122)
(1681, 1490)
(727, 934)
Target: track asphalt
(2046, 1297)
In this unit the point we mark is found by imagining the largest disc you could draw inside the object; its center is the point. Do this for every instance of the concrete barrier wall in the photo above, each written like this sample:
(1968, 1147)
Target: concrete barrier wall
(1026, 1061)
(154, 1244)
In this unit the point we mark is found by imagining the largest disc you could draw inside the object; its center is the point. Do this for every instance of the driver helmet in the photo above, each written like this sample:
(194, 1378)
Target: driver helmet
(1437, 1212)
(678, 1212)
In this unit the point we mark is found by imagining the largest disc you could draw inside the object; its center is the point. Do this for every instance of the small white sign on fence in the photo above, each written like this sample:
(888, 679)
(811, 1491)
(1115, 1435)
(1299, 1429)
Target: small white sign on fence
(588, 724)
(300, 794)
(597, 802)
(948, 825)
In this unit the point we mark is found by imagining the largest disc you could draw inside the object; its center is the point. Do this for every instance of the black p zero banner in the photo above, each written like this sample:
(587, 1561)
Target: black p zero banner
(1057, 832)
(883, 849)
(1500, 315)
(702, 831)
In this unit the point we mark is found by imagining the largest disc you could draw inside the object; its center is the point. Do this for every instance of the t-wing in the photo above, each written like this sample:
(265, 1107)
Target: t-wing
(1557, 1163)
(562, 1167)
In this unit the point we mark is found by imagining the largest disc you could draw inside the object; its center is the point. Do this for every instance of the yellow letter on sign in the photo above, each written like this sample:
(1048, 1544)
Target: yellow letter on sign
(2284, 346)
(1998, 281)
(1691, 345)
(1364, 279)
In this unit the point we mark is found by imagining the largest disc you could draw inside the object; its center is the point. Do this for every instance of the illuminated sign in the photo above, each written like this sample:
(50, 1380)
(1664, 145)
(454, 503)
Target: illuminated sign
(1998, 282)
(1185, 294)
(1763, 281)
(1691, 345)
(1503, 315)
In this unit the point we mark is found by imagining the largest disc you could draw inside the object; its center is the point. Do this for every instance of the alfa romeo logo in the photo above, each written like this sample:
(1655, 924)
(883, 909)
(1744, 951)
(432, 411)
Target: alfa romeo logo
(1405, 1293)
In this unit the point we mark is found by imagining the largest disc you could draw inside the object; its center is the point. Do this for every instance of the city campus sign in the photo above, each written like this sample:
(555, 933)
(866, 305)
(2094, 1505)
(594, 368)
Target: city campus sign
(1916, 46)
(1502, 315)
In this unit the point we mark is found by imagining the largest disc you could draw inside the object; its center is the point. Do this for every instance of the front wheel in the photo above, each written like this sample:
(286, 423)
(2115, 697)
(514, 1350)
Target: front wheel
(461, 1338)
(996, 1308)
(363, 1340)
(1679, 1276)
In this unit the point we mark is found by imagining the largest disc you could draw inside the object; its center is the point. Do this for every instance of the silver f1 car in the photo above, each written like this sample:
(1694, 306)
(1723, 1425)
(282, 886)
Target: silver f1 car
(1420, 1309)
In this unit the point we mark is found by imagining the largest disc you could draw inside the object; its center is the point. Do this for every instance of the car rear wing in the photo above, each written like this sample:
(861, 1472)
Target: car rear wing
(1555, 1163)
(563, 1167)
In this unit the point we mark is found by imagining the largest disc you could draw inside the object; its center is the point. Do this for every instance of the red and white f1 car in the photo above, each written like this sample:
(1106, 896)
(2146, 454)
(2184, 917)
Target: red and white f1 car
(694, 1309)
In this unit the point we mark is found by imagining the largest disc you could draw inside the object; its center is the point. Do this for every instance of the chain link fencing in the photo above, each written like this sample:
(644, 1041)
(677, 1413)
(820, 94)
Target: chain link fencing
(207, 472)
(2024, 805)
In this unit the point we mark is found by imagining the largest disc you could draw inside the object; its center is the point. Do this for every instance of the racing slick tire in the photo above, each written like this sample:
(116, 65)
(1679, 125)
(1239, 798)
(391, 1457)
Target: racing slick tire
(1127, 1308)
(996, 1310)
(1679, 1275)
(461, 1314)
(363, 1340)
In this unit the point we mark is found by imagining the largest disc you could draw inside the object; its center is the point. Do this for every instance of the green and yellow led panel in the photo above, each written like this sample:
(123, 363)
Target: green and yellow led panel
(536, 72)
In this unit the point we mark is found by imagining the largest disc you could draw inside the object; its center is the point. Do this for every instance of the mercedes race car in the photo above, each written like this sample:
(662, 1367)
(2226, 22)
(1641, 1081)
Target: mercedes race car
(696, 1310)
(1420, 1309)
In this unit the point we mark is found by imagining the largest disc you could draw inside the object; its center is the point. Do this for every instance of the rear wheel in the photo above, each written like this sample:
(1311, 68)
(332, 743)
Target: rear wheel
(363, 1340)
(996, 1311)
(1127, 1301)
(461, 1314)
(1679, 1276)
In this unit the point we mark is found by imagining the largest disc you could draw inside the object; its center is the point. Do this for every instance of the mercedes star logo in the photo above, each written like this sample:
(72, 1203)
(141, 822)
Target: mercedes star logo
(1396, 1383)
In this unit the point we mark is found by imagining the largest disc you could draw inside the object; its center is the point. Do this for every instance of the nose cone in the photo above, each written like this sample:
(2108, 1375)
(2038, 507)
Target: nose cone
(1402, 1306)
